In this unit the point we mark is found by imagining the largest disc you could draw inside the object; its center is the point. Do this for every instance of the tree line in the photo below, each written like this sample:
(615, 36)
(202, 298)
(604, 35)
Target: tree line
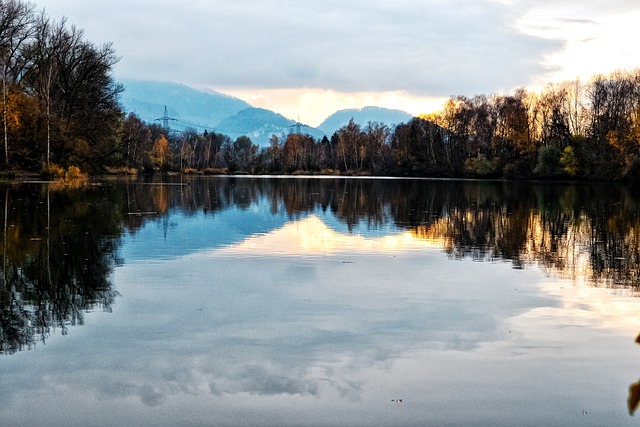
(569, 130)
(60, 109)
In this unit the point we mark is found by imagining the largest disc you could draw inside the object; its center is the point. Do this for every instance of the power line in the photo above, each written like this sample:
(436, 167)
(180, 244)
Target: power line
(165, 122)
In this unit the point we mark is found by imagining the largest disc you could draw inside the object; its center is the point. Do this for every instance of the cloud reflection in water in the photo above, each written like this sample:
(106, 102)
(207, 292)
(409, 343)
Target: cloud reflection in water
(335, 330)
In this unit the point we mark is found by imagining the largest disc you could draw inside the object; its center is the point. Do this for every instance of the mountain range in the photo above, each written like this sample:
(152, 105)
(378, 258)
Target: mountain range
(184, 107)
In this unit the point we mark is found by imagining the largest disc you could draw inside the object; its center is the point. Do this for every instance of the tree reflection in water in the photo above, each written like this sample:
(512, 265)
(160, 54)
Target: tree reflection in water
(58, 250)
(59, 245)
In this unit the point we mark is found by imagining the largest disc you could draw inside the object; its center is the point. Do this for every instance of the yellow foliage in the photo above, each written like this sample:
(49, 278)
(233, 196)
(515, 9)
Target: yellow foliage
(71, 177)
(74, 172)
(20, 110)
(569, 162)
(160, 199)
(161, 151)
(435, 117)
(56, 171)
(13, 112)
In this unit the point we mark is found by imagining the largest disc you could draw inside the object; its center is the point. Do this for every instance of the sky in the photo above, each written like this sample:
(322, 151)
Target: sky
(308, 59)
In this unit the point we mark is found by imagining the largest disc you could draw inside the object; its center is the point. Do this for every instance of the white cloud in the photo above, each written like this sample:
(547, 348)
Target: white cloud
(595, 37)
(427, 48)
(412, 49)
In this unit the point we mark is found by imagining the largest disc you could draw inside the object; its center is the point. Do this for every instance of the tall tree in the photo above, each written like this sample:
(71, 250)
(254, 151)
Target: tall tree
(351, 146)
(376, 136)
(16, 28)
(161, 153)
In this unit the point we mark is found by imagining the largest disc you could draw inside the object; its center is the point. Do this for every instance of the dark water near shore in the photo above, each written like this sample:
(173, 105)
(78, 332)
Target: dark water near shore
(282, 301)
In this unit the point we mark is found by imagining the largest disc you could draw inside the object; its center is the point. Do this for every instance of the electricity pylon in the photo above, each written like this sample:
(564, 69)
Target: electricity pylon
(165, 119)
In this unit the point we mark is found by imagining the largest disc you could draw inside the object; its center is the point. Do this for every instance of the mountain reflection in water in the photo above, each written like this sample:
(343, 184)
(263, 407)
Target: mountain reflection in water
(264, 288)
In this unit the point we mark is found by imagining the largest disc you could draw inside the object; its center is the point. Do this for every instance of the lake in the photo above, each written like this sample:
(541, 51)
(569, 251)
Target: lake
(278, 301)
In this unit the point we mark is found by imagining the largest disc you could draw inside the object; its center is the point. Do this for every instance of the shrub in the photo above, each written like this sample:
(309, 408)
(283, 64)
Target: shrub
(569, 161)
(215, 171)
(548, 165)
(191, 171)
(124, 170)
(55, 171)
(329, 172)
(74, 172)
(480, 166)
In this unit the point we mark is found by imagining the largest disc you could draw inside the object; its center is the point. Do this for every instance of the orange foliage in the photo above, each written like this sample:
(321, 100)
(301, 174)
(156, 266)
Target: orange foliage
(161, 199)
(161, 151)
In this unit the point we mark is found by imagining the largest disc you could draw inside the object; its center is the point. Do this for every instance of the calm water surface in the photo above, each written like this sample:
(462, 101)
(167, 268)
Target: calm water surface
(273, 301)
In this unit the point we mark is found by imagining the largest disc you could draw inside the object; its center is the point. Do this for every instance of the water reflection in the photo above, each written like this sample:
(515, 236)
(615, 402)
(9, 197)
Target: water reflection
(321, 300)
(59, 244)
(58, 248)
(576, 230)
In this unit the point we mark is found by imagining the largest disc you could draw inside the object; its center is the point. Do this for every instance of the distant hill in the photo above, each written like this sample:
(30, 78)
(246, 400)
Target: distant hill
(259, 124)
(191, 107)
(362, 116)
(214, 111)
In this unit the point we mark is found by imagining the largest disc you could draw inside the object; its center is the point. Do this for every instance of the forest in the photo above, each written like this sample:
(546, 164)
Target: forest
(61, 115)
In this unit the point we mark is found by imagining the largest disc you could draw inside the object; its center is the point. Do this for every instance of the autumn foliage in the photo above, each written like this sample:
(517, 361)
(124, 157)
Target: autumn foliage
(569, 130)
(59, 101)
(60, 105)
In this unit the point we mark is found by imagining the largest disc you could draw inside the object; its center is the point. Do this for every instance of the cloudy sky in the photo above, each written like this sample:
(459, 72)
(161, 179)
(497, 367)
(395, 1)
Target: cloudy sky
(311, 58)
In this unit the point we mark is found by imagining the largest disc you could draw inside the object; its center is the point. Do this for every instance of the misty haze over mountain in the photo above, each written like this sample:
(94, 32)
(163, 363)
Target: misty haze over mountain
(362, 116)
(199, 109)
(189, 108)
